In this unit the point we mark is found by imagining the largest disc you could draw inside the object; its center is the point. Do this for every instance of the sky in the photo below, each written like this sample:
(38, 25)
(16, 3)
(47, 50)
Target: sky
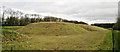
(90, 11)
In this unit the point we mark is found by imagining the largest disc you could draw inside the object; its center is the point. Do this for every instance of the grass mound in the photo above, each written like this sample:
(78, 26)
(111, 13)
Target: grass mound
(56, 29)
(62, 36)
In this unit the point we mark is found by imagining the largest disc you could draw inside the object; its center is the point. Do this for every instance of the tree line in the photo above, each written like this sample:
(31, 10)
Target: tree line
(114, 26)
(16, 21)
(18, 18)
(104, 25)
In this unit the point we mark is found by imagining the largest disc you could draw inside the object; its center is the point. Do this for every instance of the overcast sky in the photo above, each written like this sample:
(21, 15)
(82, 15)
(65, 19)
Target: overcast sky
(90, 11)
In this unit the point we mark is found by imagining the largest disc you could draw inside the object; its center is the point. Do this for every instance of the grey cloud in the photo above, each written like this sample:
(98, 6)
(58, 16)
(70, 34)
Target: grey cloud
(73, 9)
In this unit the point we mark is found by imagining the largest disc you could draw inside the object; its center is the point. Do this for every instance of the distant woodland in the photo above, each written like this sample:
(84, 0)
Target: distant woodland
(15, 21)
(17, 18)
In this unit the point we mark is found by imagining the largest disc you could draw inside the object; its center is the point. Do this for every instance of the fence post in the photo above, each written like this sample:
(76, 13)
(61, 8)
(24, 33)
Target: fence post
(113, 40)
(11, 49)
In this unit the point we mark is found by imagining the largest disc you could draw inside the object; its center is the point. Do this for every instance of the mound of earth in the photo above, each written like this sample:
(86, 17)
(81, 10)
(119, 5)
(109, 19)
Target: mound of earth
(63, 36)
(55, 28)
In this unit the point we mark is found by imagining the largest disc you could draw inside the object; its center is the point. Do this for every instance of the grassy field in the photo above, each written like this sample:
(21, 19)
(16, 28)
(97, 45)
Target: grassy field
(57, 36)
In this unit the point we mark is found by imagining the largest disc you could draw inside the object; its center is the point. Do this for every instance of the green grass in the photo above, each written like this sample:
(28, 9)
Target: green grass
(107, 42)
(11, 27)
(9, 33)
(10, 36)
(61, 36)
(116, 39)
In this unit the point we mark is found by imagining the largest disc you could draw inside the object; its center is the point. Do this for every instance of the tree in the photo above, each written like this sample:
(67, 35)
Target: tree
(52, 19)
(47, 19)
(38, 19)
(12, 21)
(64, 20)
(117, 25)
(27, 20)
(22, 21)
(33, 20)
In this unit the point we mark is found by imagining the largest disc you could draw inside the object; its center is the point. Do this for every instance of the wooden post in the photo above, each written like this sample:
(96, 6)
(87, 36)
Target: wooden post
(11, 49)
(113, 48)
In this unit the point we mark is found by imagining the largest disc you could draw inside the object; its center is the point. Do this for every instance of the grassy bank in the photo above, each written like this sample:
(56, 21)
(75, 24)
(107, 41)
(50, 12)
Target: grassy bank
(10, 37)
